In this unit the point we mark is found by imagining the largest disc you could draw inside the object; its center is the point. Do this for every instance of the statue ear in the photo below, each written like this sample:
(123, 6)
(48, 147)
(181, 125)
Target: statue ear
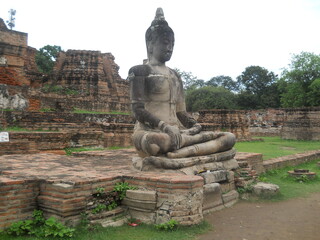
(149, 48)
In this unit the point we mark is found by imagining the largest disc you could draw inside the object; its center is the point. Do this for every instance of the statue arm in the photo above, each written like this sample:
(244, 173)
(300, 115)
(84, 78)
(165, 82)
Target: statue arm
(187, 121)
(137, 77)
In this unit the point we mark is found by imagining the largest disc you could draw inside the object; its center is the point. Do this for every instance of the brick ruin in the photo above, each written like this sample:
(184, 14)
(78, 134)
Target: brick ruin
(94, 79)
(89, 79)
(265, 122)
(234, 121)
(302, 124)
(295, 123)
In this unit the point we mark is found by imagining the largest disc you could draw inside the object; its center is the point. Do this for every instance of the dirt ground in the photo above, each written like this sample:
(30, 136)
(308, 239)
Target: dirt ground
(286, 220)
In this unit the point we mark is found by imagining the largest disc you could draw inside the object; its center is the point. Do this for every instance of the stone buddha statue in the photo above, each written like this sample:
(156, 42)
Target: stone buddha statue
(163, 126)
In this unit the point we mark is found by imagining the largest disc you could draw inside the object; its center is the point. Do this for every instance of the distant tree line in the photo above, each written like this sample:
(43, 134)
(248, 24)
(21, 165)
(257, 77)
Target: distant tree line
(258, 88)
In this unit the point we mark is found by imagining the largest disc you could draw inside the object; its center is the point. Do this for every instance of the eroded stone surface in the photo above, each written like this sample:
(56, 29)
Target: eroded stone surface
(265, 189)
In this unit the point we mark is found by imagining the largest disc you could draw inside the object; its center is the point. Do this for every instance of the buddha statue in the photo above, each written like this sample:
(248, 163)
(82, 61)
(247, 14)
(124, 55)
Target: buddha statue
(163, 126)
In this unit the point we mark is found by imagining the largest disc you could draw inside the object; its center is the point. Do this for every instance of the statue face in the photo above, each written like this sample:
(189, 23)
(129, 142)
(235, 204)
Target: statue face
(162, 48)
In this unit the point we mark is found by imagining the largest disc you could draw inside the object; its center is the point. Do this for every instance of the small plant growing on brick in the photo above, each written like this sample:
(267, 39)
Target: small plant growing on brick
(109, 200)
(121, 189)
(167, 226)
(40, 227)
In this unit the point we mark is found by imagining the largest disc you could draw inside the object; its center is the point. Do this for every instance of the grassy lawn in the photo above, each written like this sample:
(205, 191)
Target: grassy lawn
(291, 187)
(273, 147)
(142, 232)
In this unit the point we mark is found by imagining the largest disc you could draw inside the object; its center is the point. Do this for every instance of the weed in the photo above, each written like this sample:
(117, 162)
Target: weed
(246, 189)
(167, 226)
(121, 188)
(40, 227)
(99, 208)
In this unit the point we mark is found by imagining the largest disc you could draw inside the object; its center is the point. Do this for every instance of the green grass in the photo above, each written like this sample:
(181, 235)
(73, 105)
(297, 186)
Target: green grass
(95, 112)
(20, 129)
(141, 232)
(69, 151)
(273, 147)
(291, 187)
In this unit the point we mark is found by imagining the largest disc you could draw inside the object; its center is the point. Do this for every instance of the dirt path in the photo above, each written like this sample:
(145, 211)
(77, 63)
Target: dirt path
(295, 219)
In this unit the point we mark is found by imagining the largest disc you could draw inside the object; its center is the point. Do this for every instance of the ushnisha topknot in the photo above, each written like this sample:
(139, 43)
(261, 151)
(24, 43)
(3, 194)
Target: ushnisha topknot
(158, 26)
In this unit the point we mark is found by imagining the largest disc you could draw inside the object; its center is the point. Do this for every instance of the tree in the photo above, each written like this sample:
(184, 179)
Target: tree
(261, 84)
(46, 57)
(210, 98)
(190, 81)
(11, 21)
(223, 81)
(299, 82)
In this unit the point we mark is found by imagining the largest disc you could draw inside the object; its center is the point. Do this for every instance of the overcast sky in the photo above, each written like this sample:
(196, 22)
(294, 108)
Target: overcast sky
(213, 37)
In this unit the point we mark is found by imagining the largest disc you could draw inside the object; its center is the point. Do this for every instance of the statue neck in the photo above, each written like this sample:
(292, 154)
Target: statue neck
(155, 62)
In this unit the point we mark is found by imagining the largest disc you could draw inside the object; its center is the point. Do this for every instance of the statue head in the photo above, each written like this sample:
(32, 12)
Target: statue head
(160, 33)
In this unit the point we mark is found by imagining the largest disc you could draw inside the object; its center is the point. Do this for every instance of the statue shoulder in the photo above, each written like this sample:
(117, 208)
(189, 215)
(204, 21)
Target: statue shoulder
(140, 70)
(175, 73)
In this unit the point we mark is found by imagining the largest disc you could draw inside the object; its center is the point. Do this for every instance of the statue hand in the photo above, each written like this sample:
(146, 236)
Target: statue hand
(173, 132)
(192, 131)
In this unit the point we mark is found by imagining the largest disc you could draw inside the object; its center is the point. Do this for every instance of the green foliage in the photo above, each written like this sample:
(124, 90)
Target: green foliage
(246, 189)
(125, 232)
(189, 81)
(299, 84)
(210, 98)
(314, 93)
(258, 88)
(121, 188)
(302, 179)
(109, 200)
(40, 227)
(223, 81)
(46, 57)
(99, 208)
(167, 226)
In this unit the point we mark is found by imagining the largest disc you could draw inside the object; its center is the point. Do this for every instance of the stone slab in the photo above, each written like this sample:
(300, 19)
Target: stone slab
(230, 198)
(265, 189)
(215, 176)
(142, 195)
(212, 196)
(148, 205)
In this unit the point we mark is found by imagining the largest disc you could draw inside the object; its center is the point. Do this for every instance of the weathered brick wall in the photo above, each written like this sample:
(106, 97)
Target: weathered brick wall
(13, 48)
(234, 121)
(179, 197)
(12, 37)
(265, 122)
(95, 76)
(74, 130)
(302, 124)
(18, 199)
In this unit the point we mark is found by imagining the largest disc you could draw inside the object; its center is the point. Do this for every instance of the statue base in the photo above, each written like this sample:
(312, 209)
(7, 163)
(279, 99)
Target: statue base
(190, 166)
